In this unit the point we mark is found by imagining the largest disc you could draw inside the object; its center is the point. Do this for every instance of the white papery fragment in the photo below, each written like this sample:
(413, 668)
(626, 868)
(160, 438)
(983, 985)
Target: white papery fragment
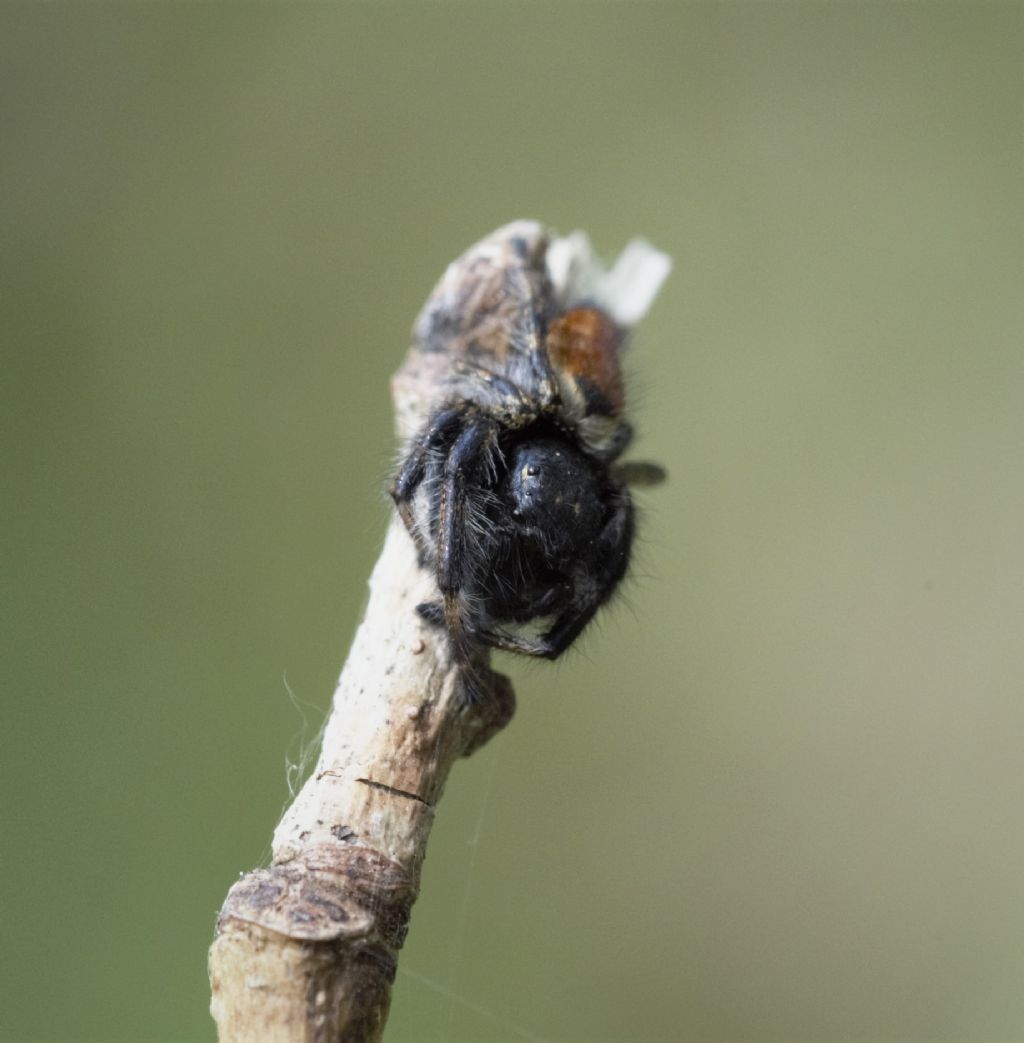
(626, 291)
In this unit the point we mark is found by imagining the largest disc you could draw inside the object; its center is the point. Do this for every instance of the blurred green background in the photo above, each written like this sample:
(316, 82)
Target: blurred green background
(776, 793)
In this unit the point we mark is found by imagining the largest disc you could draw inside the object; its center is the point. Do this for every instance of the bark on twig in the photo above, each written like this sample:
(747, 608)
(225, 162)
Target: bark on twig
(307, 948)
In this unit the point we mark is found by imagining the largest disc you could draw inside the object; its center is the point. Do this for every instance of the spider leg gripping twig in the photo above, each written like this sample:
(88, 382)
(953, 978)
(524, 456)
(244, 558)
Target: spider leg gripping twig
(307, 948)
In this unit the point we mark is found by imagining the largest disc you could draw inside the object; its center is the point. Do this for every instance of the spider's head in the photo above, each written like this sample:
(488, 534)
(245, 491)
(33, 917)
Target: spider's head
(555, 494)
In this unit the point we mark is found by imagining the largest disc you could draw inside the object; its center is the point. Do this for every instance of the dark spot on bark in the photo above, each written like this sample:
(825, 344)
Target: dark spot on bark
(265, 893)
(379, 958)
(393, 790)
(334, 911)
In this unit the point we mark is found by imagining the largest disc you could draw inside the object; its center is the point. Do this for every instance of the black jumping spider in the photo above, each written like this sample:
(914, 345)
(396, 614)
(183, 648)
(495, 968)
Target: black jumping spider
(510, 489)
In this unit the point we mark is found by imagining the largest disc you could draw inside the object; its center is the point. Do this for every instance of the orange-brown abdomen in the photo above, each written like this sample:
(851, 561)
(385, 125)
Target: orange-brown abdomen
(584, 344)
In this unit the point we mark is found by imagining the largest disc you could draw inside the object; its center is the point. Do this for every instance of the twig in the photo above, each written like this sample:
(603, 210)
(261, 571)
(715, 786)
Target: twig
(307, 949)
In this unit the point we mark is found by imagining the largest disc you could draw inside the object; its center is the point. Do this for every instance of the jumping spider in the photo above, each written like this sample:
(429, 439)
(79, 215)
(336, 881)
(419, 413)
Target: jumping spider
(510, 488)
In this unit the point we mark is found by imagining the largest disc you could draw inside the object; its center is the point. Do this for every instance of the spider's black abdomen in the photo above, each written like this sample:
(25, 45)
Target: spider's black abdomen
(554, 492)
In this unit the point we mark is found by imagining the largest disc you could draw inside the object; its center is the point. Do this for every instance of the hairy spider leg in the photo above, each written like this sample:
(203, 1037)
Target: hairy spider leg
(469, 457)
(444, 426)
(432, 612)
(512, 392)
(639, 472)
(610, 556)
(621, 441)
